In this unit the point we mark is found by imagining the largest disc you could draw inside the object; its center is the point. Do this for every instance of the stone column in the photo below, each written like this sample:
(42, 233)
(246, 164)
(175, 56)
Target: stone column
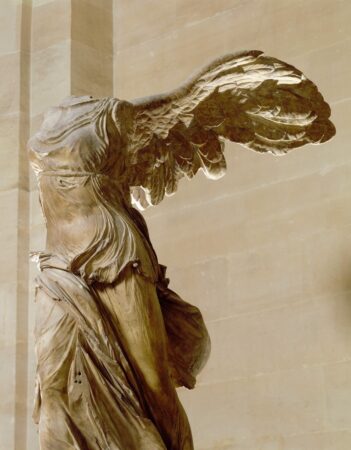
(91, 48)
(50, 83)
(14, 215)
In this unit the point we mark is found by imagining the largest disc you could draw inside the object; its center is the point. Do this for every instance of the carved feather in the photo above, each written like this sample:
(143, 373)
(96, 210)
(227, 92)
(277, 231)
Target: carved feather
(255, 100)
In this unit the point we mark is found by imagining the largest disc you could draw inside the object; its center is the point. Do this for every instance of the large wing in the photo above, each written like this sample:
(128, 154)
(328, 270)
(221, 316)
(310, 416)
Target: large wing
(260, 102)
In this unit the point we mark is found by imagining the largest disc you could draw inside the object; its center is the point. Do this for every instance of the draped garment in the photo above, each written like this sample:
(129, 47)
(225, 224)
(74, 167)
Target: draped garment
(89, 392)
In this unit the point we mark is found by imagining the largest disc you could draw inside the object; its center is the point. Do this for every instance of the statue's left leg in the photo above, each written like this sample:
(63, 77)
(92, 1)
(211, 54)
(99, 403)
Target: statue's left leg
(133, 307)
(55, 334)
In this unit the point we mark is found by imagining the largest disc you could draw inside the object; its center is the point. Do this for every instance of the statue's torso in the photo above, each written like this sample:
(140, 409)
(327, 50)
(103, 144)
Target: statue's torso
(78, 156)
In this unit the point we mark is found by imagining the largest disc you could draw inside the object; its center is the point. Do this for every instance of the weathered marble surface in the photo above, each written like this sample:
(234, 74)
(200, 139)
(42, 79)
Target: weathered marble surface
(108, 327)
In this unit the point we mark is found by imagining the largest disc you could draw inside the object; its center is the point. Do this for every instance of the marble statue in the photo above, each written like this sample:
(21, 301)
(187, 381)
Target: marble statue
(113, 342)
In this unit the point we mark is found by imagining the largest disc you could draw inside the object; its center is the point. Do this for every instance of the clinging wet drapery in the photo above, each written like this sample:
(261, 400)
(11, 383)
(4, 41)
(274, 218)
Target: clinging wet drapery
(113, 341)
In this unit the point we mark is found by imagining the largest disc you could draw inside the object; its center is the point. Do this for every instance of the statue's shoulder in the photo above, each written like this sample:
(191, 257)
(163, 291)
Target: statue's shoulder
(69, 121)
(71, 114)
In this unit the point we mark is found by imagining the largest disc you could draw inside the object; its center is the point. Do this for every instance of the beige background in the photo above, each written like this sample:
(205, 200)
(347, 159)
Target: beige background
(265, 252)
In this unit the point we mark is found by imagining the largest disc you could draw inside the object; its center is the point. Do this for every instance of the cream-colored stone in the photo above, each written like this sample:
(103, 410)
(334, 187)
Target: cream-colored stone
(258, 217)
(8, 348)
(50, 68)
(35, 123)
(7, 407)
(36, 3)
(10, 76)
(9, 144)
(336, 69)
(280, 403)
(282, 19)
(281, 27)
(297, 267)
(190, 13)
(36, 216)
(296, 334)
(338, 440)
(10, 19)
(204, 284)
(93, 25)
(91, 72)
(338, 395)
(279, 270)
(106, 5)
(160, 65)
(146, 20)
(32, 181)
(9, 229)
(26, 37)
(51, 24)
(8, 292)
(274, 26)
(180, 51)
(38, 237)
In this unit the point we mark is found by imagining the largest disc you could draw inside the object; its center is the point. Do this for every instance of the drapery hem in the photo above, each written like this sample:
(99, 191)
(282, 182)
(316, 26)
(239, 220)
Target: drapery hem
(84, 372)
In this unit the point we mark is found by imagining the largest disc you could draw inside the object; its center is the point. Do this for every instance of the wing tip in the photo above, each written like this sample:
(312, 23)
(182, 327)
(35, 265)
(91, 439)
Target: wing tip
(322, 132)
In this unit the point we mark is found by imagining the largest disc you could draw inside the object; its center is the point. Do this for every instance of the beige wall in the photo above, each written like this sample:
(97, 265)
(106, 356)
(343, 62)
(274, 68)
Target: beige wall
(14, 219)
(265, 252)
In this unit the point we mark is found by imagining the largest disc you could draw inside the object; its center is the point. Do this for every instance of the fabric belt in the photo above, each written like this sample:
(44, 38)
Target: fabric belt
(66, 173)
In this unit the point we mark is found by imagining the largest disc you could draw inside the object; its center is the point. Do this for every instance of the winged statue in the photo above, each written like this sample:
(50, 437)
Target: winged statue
(113, 341)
